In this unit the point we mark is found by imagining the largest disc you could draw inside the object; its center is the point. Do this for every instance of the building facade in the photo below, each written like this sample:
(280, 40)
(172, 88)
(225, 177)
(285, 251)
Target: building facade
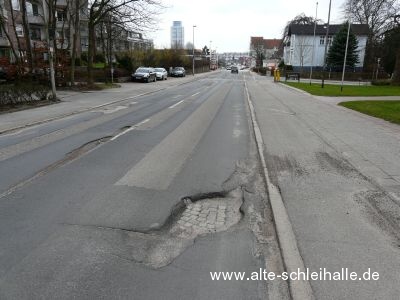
(302, 50)
(177, 35)
(12, 31)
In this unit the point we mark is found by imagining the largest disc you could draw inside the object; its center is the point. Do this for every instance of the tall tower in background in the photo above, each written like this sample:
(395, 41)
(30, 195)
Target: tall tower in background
(177, 35)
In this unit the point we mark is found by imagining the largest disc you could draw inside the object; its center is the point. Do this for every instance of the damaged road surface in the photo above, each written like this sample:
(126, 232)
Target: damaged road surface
(140, 200)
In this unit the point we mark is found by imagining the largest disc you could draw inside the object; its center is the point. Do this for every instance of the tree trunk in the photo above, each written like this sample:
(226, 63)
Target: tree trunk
(75, 41)
(29, 53)
(396, 73)
(91, 52)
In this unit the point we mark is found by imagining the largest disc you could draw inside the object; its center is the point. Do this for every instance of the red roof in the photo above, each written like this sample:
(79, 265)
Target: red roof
(268, 43)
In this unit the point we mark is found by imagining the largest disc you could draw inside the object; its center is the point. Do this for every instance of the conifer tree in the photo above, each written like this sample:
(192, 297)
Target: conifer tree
(336, 52)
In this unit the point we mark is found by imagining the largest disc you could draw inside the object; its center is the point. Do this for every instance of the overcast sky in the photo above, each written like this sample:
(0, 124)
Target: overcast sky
(230, 23)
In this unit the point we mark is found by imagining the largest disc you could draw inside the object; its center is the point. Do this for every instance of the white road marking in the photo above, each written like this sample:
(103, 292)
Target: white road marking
(177, 96)
(195, 94)
(113, 109)
(129, 129)
(176, 104)
(158, 168)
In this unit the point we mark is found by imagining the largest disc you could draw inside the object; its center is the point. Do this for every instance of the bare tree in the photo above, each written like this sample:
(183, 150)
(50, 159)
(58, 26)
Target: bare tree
(4, 27)
(25, 25)
(378, 14)
(138, 15)
(396, 73)
(75, 19)
(304, 47)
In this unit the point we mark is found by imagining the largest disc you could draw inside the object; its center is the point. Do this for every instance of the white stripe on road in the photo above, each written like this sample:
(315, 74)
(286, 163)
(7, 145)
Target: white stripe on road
(195, 94)
(160, 166)
(176, 104)
(129, 129)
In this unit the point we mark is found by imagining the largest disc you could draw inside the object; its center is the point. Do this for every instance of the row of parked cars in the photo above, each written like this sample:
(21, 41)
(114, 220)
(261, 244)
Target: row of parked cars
(148, 74)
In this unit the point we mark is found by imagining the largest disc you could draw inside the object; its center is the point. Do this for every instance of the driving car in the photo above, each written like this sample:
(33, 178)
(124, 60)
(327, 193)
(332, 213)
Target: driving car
(234, 69)
(178, 72)
(161, 73)
(144, 74)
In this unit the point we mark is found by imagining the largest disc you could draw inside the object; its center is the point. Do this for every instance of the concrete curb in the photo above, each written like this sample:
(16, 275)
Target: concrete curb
(299, 289)
(296, 89)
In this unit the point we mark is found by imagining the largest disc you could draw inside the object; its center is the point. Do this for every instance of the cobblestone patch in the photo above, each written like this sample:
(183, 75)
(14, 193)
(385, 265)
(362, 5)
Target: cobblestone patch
(205, 216)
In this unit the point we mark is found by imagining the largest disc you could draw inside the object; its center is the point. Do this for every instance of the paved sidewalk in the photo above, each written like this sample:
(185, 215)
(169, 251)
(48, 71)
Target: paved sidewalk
(338, 172)
(75, 102)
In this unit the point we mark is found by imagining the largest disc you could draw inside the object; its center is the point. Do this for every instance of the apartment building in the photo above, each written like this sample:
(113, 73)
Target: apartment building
(177, 35)
(12, 30)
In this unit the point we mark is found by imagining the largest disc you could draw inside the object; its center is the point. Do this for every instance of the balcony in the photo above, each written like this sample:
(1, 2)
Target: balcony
(32, 19)
(4, 42)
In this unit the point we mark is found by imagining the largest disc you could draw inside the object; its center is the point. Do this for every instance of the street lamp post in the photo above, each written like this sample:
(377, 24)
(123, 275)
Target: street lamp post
(313, 50)
(193, 51)
(210, 55)
(345, 55)
(326, 44)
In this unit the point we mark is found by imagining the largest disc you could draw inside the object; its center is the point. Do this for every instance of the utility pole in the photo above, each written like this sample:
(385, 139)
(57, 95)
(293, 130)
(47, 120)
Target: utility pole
(345, 55)
(313, 50)
(193, 51)
(326, 44)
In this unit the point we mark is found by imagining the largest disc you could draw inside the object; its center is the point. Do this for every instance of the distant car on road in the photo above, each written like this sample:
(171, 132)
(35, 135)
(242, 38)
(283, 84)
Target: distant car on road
(178, 72)
(234, 69)
(144, 74)
(161, 73)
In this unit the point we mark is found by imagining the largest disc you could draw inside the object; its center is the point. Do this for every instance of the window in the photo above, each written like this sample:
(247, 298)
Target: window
(15, 4)
(61, 15)
(1, 33)
(35, 9)
(322, 40)
(329, 40)
(19, 30)
(36, 34)
(3, 52)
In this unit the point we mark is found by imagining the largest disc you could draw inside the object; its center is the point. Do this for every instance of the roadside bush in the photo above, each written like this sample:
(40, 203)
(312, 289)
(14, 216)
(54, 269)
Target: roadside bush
(125, 62)
(84, 57)
(99, 58)
(260, 70)
(381, 82)
(22, 93)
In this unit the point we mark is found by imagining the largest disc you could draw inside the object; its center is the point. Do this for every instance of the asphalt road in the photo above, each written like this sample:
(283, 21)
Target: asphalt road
(140, 199)
(144, 197)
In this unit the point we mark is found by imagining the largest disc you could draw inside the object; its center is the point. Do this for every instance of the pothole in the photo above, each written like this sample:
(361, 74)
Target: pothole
(194, 218)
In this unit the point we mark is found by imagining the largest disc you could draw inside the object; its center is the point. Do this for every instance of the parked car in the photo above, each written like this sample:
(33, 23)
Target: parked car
(178, 72)
(161, 73)
(144, 74)
(234, 69)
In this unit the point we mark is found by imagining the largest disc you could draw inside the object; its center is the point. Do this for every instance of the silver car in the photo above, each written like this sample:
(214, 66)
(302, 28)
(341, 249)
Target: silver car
(161, 73)
(144, 74)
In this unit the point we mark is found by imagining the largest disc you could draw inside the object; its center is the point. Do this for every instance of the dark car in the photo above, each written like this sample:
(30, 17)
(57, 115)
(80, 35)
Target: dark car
(178, 72)
(235, 69)
(144, 74)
